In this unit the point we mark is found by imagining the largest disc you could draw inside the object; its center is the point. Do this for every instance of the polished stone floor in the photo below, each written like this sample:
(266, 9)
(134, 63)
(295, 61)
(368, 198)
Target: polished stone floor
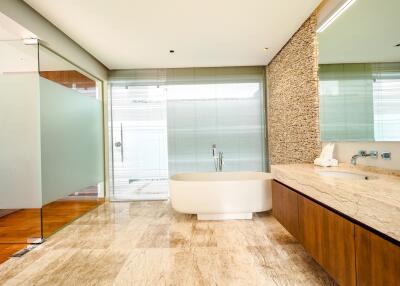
(147, 243)
(140, 190)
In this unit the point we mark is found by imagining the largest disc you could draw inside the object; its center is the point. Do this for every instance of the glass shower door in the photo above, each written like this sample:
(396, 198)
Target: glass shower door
(139, 138)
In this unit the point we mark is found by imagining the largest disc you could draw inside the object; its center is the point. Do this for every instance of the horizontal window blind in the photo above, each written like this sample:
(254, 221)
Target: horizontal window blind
(206, 106)
(386, 90)
(346, 102)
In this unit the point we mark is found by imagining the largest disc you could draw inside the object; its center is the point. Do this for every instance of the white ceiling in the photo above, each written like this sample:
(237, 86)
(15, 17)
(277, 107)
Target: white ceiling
(126, 34)
(367, 32)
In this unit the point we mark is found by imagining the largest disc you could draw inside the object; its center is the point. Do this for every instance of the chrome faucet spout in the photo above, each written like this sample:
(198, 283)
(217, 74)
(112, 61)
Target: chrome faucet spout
(363, 153)
(218, 158)
(354, 159)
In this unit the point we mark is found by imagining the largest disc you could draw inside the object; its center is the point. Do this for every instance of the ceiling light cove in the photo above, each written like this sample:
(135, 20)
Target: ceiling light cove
(346, 5)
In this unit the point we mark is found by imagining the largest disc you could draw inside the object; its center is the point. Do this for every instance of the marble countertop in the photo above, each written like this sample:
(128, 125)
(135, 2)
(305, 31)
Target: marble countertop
(375, 203)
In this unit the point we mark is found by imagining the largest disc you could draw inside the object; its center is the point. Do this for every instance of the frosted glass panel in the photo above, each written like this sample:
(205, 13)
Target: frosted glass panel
(71, 134)
(226, 114)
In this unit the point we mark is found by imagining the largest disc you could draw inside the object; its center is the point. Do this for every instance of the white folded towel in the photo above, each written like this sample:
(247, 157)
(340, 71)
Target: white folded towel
(325, 159)
(326, 163)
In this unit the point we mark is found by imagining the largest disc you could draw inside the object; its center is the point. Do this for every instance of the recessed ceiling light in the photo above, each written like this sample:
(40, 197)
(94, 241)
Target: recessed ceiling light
(171, 51)
(265, 49)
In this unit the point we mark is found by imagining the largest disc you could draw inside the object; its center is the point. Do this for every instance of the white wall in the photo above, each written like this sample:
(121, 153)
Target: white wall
(54, 38)
(344, 151)
(20, 167)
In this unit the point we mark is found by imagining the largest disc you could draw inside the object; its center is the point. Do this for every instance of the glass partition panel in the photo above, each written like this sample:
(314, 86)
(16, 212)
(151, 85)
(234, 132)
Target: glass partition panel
(20, 184)
(71, 141)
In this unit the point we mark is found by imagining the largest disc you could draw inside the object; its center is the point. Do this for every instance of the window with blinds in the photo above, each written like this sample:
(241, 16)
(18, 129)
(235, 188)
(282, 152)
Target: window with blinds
(206, 106)
(386, 98)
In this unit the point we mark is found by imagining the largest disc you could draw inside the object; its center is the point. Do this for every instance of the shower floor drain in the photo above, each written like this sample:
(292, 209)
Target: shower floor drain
(24, 250)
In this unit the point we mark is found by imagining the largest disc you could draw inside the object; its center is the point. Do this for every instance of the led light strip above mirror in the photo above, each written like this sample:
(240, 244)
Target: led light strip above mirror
(334, 14)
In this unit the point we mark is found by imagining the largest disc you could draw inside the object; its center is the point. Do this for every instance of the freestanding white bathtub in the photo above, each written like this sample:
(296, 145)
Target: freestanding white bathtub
(221, 195)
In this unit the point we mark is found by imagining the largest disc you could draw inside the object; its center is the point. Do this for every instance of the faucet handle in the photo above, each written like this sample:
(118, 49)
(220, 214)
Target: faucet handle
(373, 154)
(362, 152)
(386, 155)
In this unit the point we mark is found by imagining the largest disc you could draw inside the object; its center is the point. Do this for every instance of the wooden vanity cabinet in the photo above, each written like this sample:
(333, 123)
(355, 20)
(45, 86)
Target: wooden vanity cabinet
(349, 252)
(329, 239)
(284, 202)
(378, 260)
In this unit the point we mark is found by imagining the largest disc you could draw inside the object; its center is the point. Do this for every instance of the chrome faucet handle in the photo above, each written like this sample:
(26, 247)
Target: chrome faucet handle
(214, 149)
(373, 154)
(386, 155)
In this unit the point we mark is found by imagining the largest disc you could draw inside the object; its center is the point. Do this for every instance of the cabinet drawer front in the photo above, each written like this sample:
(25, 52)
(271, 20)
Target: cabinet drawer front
(284, 207)
(329, 239)
(378, 260)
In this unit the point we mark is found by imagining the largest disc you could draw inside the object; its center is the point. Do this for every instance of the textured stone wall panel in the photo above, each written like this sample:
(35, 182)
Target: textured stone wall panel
(292, 99)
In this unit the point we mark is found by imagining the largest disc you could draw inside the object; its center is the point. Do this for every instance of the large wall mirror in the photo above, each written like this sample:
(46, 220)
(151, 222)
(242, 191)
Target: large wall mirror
(359, 73)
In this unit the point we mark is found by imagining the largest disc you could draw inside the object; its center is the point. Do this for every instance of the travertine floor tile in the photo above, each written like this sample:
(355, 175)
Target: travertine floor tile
(147, 243)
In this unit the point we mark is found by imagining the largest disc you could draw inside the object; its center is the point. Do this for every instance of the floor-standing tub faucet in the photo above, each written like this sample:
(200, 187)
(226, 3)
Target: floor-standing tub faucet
(218, 158)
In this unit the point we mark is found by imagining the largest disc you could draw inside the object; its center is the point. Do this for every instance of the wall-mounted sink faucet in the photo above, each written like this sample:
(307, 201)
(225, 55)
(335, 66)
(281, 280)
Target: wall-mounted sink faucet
(218, 158)
(363, 153)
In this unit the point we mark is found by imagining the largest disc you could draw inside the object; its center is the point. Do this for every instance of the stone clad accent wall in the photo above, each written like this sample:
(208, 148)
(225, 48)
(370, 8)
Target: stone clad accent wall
(292, 99)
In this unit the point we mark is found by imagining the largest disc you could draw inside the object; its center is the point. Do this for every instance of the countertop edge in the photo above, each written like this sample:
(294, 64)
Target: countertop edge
(294, 185)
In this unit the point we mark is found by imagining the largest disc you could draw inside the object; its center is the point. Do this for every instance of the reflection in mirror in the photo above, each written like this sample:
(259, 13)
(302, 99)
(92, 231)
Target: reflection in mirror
(359, 74)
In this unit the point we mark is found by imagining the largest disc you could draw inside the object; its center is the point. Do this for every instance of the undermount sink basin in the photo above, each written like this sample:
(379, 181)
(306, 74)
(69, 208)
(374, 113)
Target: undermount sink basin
(345, 175)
